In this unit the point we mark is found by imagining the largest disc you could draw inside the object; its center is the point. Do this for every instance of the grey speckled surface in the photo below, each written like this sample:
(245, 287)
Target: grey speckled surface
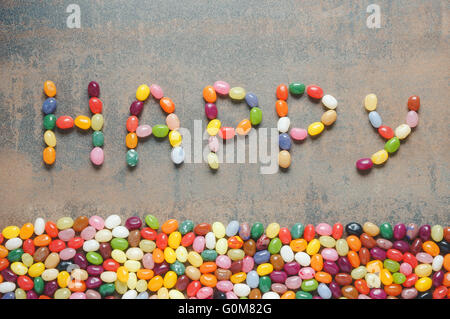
(185, 45)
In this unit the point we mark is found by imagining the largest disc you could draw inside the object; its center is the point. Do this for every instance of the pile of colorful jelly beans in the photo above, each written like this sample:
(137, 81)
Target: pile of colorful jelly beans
(93, 258)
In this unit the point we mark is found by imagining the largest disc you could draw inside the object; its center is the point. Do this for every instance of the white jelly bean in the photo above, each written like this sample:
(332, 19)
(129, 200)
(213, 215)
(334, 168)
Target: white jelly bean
(210, 240)
(120, 232)
(329, 101)
(91, 245)
(303, 258)
(287, 254)
(103, 236)
(39, 226)
(112, 221)
(13, 243)
(283, 124)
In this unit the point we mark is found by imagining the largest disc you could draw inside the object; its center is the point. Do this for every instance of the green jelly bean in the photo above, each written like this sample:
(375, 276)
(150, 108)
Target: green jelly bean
(160, 130)
(186, 227)
(20, 294)
(265, 284)
(106, 289)
(255, 115)
(209, 255)
(303, 295)
(296, 88)
(399, 278)
(257, 230)
(62, 293)
(15, 255)
(391, 265)
(119, 243)
(38, 285)
(49, 121)
(132, 158)
(98, 139)
(275, 246)
(386, 231)
(392, 145)
(243, 297)
(152, 221)
(309, 285)
(94, 258)
(297, 231)
(178, 268)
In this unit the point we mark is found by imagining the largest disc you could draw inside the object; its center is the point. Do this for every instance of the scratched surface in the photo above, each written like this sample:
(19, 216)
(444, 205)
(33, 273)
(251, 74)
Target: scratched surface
(185, 45)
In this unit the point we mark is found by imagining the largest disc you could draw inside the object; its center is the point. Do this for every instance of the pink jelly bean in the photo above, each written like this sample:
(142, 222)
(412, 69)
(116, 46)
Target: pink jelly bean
(204, 293)
(97, 156)
(412, 119)
(231, 295)
(88, 233)
(199, 244)
(306, 273)
(293, 282)
(424, 258)
(406, 269)
(156, 91)
(324, 229)
(67, 253)
(223, 261)
(143, 131)
(298, 134)
(329, 254)
(147, 261)
(224, 285)
(66, 234)
(97, 222)
(221, 87)
(247, 264)
(361, 296)
(78, 295)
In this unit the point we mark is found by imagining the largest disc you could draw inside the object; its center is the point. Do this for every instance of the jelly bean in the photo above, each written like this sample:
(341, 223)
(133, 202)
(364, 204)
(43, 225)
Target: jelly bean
(298, 134)
(412, 119)
(314, 91)
(97, 122)
(243, 127)
(210, 111)
(414, 103)
(370, 102)
(402, 131)
(392, 145)
(95, 105)
(316, 128)
(93, 89)
(379, 157)
(329, 117)
(209, 94)
(284, 159)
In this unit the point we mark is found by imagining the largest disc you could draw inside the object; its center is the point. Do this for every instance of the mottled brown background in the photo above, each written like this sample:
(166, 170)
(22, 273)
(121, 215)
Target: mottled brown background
(185, 45)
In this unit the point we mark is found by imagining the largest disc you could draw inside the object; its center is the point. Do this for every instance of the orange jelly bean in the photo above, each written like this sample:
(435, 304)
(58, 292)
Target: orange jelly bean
(51, 229)
(324, 277)
(282, 92)
(42, 240)
(77, 285)
(362, 287)
(209, 94)
(235, 242)
(131, 140)
(353, 257)
(49, 88)
(155, 283)
(208, 267)
(447, 262)
(145, 274)
(158, 255)
(49, 155)
(393, 289)
(431, 248)
(244, 127)
(317, 262)
(354, 243)
(288, 295)
(26, 231)
(445, 282)
(167, 105)
(3, 251)
(169, 226)
(298, 245)
(281, 107)
(208, 280)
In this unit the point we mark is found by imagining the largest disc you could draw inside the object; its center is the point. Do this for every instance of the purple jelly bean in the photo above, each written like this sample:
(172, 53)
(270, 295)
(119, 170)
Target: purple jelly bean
(93, 89)
(399, 231)
(93, 282)
(401, 245)
(262, 242)
(161, 268)
(425, 232)
(211, 111)
(438, 278)
(344, 264)
(378, 253)
(292, 268)
(94, 270)
(9, 275)
(335, 289)
(278, 276)
(378, 293)
(136, 108)
(50, 288)
(31, 294)
(133, 223)
(80, 260)
(330, 267)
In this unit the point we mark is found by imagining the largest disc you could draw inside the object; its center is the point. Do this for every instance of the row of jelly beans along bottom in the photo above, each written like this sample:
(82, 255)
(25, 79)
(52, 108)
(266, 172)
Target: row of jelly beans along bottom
(92, 258)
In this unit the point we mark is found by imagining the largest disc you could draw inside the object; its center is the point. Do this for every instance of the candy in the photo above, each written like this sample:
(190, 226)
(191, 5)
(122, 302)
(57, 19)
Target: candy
(414, 103)
(402, 131)
(370, 102)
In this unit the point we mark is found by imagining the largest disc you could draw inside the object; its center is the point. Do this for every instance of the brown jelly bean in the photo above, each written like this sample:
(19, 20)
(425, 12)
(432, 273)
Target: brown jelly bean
(349, 292)
(250, 247)
(279, 288)
(182, 282)
(343, 279)
(105, 250)
(41, 254)
(367, 241)
(222, 274)
(277, 262)
(80, 223)
(236, 266)
(202, 229)
(255, 293)
(364, 255)
(447, 234)
(134, 238)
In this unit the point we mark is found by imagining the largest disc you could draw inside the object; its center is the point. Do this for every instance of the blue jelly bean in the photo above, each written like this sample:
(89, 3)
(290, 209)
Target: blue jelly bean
(252, 279)
(284, 141)
(251, 99)
(232, 228)
(261, 256)
(9, 295)
(324, 291)
(375, 119)
(49, 106)
(142, 295)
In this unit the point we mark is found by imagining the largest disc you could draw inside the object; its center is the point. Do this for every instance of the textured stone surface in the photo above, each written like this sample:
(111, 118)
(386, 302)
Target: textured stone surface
(185, 45)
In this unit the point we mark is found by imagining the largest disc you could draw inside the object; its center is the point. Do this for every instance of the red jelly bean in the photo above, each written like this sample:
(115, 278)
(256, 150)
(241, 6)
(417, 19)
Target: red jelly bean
(64, 122)
(161, 241)
(96, 105)
(394, 254)
(28, 246)
(309, 232)
(75, 243)
(410, 259)
(193, 288)
(148, 233)
(414, 103)
(57, 245)
(410, 280)
(285, 236)
(4, 263)
(1, 239)
(362, 287)
(227, 133)
(386, 132)
(110, 265)
(51, 229)
(282, 92)
(337, 231)
(132, 123)
(25, 282)
(188, 239)
(440, 292)
(314, 91)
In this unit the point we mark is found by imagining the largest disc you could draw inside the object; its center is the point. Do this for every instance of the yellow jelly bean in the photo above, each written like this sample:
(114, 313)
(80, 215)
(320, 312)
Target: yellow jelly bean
(182, 254)
(27, 259)
(62, 293)
(402, 131)
(175, 138)
(195, 259)
(359, 272)
(169, 255)
(19, 293)
(315, 128)
(423, 284)
(64, 223)
(176, 294)
(121, 287)
(213, 160)
(374, 266)
(342, 247)
(142, 92)
(238, 277)
(63, 279)
(237, 93)
(26, 231)
(50, 274)
(170, 279)
(218, 229)
(236, 254)
(313, 247)
(50, 138)
(19, 268)
(163, 293)
(264, 269)
(119, 256)
(213, 127)
(327, 241)
(423, 270)
(132, 280)
(155, 283)
(272, 230)
(147, 246)
(380, 157)
(36, 269)
(97, 122)
(11, 232)
(371, 229)
(386, 277)
(370, 102)
(174, 239)
(132, 265)
(222, 246)
(373, 280)
(122, 274)
(83, 122)
(141, 285)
